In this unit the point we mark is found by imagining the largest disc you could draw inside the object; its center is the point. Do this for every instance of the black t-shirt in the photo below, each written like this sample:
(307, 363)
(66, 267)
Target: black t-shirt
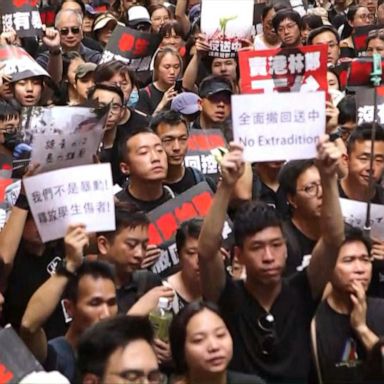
(192, 176)
(377, 199)
(145, 206)
(341, 354)
(289, 359)
(299, 247)
(29, 272)
(149, 99)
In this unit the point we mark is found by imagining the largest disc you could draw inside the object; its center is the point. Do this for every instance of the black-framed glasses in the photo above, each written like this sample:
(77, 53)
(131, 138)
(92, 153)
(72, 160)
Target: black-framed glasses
(133, 376)
(268, 337)
(73, 30)
(114, 107)
(312, 189)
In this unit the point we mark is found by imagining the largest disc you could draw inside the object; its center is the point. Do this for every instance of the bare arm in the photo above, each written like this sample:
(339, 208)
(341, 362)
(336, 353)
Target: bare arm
(210, 259)
(243, 187)
(326, 250)
(181, 16)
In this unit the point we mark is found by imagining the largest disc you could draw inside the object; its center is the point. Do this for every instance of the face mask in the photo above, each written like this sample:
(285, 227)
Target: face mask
(133, 98)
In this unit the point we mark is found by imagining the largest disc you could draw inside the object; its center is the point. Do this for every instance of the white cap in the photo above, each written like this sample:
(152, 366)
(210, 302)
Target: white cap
(138, 14)
(44, 378)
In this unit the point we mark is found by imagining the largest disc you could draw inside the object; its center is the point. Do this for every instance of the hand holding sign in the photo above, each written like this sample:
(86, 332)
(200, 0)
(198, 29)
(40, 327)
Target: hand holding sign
(201, 45)
(328, 156)
(232, 165)
(8, 37)
(75, 241)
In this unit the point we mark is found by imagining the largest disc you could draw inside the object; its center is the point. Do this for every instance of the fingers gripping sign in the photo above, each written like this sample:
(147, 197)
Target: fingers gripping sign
(232, 164)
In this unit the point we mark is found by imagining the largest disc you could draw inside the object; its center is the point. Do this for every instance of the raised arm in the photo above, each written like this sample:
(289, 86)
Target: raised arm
(47, 297)
(326, 250)
(210, 261)
(181, 15)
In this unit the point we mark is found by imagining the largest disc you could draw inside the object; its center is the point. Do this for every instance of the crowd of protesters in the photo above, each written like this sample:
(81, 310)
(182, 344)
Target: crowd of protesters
(298, 295)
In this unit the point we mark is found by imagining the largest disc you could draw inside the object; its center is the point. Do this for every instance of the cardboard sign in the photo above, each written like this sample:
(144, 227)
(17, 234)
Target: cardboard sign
(19, 64)
(16, 361)
(365, 106)
(136, 48)
(226, 25)
(283, 126)
(354, 213)
(71, 195)
(22, 16)
(200, 144)
(301, 69)
(167, 218)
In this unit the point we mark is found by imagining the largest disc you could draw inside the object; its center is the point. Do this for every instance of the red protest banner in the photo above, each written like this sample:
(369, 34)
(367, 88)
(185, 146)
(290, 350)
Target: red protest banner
(300, 69)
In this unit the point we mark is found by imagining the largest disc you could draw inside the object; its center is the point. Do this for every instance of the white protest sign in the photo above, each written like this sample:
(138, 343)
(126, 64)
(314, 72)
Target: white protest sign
(72, 195)
(278, 126)
(354, 213)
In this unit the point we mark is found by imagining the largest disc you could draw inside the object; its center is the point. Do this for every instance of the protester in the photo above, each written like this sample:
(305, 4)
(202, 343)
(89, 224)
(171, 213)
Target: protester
(71, 61)
(288, 26)
(159, 15)
(375, 43)
(103, 27)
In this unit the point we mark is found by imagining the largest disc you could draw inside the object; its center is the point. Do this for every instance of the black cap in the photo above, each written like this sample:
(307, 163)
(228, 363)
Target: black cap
(214, 84)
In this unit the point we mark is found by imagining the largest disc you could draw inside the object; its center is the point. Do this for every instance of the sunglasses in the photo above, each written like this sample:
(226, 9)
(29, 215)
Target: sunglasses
(73, 30)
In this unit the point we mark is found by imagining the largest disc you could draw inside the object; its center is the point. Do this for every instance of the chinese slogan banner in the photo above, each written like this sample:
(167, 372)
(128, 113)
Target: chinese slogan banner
(72, 195)
(136, 48)
(19, 64)
(200, 144)
(21, 15)
(226, 24)
(283, 126)
(354, 213)
(365, 107)
(167, 218)
(301, 69)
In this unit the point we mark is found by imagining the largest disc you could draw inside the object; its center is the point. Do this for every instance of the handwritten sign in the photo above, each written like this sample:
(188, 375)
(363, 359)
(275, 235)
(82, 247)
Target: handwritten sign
(283, 126)
(72, 195)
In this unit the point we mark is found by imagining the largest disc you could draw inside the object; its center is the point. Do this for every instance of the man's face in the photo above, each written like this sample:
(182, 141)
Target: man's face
(84, 84)
(217, 107)
(104, 98)
(225, 68)
(333, 48)
(270, 34)
(289, 33)
(96, 300)
(127, 250)
(263, 255)
(135, 360)
(70, 31)
(359, 160)
(189, 259)
(28, 91)
(308, 198)
(146, 157)
(353, 265)
(175, 141)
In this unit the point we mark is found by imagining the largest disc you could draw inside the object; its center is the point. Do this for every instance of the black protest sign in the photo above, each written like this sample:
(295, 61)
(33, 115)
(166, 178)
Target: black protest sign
(200, 144)
(365, 105)
(16, 361)
(165, 220)
(360, 71)
(22, 16)
(136, 48)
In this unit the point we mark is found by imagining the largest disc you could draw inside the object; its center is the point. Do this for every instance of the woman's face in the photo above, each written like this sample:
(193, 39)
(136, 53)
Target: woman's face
(171, 39)
(72, 69)
(105, 33)
(362, 18)
(375, 46)
(208, 344)
(169, 69)
(159, 18)
(332, 81)
(126, 4)
(124, 83)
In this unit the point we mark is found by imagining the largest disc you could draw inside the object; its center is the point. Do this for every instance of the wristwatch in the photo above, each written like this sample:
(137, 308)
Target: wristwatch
(56, 52)
(62, 270)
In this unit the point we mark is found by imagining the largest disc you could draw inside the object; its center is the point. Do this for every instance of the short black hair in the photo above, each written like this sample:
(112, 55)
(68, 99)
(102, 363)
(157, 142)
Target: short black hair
(290, 172)
(8, 111)
(287, 14)
(189, 228)
(318, 31)
(363, 133)
(110, 87)
(276, 6)
(347, 109)
(352, 234)
(178, 331)
(104, 72)
(98, 343)
(96, 269)
(253, 217)
(167, 117)
(313, 21)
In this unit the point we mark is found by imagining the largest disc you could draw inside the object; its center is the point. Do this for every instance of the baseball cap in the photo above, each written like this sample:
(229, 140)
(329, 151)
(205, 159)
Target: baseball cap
(138, 14)
(83, 70)
(186, 103)
(90, 10)
(214, 84)
(102, 20)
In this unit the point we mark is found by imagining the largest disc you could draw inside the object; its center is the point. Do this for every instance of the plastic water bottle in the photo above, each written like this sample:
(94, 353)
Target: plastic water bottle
(160, 319)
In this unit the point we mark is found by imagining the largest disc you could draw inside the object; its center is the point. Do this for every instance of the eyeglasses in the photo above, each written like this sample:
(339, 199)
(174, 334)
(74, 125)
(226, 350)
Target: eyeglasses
(114, 107)
(138, 377)
(287, 27)
(266, 324)
(73, 30)
(312, 189)
(345, 132)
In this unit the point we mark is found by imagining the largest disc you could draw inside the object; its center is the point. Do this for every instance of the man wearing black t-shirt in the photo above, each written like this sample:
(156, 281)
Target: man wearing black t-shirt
(172, 129)
(268, 316)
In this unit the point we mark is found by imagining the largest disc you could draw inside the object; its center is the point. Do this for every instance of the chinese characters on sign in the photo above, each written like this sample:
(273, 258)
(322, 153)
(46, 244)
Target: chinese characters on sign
(72, 195)
(364, 104)
(282, 126)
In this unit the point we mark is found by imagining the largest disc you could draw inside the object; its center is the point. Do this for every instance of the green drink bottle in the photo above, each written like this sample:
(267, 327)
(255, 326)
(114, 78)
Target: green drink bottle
(160, 319)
